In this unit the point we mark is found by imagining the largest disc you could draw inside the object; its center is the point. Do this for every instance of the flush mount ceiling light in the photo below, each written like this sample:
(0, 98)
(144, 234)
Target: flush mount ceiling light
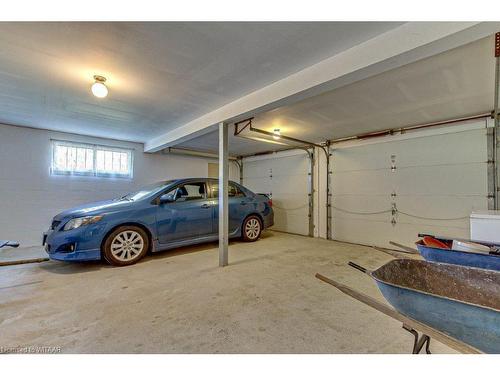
(277, 134)
(99, 89)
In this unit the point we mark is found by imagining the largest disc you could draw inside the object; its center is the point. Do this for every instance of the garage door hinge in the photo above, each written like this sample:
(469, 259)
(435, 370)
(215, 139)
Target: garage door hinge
(394, 209)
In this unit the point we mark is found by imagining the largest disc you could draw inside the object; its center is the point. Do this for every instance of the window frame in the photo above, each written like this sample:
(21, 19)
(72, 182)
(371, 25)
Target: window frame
(95, 147)
(216, 196)
(177, 186)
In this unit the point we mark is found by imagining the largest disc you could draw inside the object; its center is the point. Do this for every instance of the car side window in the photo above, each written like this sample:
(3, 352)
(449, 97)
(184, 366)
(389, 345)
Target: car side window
(188, 192)
(233, 190)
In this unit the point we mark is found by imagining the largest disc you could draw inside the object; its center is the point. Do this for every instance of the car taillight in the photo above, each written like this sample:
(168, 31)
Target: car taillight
(270, 201)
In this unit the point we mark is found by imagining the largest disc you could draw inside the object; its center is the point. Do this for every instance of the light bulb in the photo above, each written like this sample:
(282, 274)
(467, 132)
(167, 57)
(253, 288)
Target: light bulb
(99, 89)
(277, 134)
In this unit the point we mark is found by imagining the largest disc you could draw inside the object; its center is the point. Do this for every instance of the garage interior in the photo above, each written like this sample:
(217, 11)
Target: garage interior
(362, 133)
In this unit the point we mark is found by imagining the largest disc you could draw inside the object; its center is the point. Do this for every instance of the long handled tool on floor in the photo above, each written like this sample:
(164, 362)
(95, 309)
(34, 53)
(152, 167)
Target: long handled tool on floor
(404, 248)
(393, 253)
(397, 253)
(20, 261)
(409, 324)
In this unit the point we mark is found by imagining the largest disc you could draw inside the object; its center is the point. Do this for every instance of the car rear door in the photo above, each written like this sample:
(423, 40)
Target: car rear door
(239, 206)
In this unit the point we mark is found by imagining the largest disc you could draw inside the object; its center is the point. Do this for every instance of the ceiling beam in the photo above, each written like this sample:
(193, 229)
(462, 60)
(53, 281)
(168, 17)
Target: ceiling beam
(403, 45)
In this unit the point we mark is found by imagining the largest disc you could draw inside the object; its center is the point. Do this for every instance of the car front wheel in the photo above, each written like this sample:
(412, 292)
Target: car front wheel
(125, 245)
(252, 227)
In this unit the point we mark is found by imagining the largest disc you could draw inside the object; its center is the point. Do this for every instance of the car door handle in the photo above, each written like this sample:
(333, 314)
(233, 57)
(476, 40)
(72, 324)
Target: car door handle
(243, 203)
(206, 205)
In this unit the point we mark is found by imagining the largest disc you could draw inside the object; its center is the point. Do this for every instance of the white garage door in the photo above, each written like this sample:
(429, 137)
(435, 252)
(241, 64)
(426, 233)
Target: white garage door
(437, 181)
(286, 179)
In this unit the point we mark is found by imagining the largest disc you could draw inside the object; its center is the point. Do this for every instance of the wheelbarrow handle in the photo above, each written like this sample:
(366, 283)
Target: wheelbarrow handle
(358, 267)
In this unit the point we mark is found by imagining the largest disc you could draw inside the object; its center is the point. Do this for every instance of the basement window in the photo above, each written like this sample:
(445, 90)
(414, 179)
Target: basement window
(82, 159)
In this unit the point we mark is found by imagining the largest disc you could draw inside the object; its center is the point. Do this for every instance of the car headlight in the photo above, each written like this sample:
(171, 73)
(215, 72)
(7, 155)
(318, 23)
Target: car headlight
(81, 221)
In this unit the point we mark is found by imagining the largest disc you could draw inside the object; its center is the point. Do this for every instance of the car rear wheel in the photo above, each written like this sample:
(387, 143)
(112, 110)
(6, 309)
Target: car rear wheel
(125, 245)
(252, 228)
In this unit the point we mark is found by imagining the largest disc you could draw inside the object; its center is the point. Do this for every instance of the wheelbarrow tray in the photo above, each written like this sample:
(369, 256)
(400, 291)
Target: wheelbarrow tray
(463, 302)
(462, 258)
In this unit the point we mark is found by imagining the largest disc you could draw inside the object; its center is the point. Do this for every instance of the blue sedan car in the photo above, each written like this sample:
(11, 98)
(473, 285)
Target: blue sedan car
(160, 216)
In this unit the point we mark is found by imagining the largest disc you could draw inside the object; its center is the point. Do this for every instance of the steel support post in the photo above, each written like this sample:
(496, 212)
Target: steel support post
(241, 170)
(496, 129)
(223, 195)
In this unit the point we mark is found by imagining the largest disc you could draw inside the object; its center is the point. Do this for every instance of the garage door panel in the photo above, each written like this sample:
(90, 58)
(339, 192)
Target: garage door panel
(464, 179)
(256, 169)
(440, 207)
(369, 182)
(431, 150)
(440, 177)
(290, 166)
(367, 232)
(291, 222)
(257, 185)
(286, 178)
(290, 200)
(360, 204)
(454, 209)
(451, 148)
(287, 185)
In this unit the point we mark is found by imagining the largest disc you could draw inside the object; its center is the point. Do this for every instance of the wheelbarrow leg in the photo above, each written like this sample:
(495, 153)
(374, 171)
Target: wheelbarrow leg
(418, 342)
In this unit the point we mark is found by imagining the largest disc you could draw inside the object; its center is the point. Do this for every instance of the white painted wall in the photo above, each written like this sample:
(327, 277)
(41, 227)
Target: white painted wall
(30, 196)
(440, 173)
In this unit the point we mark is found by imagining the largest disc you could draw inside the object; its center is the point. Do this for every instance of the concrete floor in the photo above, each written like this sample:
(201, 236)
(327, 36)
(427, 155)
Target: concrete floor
(266, 301)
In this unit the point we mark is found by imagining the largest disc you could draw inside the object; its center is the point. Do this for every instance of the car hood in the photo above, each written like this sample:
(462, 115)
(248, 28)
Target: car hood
(94, 208)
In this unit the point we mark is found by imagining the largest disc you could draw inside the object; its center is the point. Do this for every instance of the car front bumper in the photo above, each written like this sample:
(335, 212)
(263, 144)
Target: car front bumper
(80, 244)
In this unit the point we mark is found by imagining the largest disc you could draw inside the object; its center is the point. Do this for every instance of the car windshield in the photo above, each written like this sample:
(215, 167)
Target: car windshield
(147, 191)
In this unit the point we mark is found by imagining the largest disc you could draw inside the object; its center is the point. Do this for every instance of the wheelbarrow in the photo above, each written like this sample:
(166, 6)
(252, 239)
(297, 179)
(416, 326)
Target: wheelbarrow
(458, 306)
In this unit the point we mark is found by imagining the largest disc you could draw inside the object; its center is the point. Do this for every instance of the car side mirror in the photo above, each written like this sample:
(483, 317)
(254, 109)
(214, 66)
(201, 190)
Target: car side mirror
(166, 198)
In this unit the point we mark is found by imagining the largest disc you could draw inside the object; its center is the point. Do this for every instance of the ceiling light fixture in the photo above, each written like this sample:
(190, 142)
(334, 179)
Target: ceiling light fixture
(277, 134)
(99, 89)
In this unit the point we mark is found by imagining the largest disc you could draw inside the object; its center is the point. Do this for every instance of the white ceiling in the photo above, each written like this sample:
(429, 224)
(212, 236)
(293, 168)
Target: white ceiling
(456, 83)
(160, 75)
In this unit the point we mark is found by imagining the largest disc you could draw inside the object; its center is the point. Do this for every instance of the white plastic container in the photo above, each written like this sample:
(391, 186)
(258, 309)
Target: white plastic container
(485, 226)
(470, 247)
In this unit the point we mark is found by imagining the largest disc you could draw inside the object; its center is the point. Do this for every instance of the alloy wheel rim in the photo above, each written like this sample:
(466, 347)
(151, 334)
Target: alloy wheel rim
(127, 245)
(252, 228)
